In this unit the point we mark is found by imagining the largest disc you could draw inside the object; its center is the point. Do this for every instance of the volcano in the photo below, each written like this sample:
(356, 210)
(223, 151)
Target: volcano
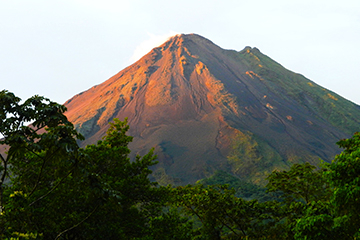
(204, 109)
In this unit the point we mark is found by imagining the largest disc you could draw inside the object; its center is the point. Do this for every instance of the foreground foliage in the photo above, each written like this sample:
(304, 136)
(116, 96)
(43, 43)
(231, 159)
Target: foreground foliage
(52, 189)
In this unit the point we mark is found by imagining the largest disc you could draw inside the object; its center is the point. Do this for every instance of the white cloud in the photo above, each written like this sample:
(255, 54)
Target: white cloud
(152, 42)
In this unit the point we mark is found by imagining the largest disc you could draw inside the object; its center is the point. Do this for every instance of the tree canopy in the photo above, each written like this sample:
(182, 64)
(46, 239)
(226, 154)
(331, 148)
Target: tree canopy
(52, 189)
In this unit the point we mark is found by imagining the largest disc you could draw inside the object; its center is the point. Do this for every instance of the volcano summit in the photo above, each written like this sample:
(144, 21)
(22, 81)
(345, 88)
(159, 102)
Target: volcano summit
(204, 108)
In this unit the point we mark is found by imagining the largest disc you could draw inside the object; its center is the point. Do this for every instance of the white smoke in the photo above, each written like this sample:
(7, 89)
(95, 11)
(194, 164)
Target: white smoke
(152, 42)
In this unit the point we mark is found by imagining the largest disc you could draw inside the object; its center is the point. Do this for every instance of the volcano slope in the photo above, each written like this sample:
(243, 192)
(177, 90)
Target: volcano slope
(204, 108)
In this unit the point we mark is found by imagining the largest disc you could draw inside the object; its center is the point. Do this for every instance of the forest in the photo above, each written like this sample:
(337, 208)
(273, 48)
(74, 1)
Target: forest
(50, 188)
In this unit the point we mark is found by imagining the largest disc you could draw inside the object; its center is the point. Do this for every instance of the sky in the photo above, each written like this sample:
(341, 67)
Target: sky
(59, 48)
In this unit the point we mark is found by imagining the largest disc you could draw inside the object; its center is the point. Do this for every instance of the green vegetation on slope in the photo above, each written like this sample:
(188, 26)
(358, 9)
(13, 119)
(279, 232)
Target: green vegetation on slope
(252, 159)
(323, 103)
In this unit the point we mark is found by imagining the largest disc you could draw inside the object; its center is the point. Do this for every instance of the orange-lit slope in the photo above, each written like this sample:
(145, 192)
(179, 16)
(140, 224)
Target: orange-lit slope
(171, 100)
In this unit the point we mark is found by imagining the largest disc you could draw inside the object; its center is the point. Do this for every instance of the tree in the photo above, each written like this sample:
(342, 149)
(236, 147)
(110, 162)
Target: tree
(222, 215)
(32, 153)
(344, 176)
(338, 217)
(298, 190)
(52, 189)
(341, 214)
(129, 199)
(301, 183)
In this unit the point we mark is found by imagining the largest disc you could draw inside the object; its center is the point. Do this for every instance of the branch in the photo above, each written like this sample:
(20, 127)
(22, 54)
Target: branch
(2, 181)
(45, 195)
(27, 148)
(2, 133)
(230, 228)
(236, 222)
(39, 128)
(42, 168)
(5, 170)
(38, 179)
(76, 225)
(192, 210)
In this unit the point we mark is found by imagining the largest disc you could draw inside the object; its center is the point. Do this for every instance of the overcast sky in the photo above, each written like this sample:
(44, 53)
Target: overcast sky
(60, 48)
